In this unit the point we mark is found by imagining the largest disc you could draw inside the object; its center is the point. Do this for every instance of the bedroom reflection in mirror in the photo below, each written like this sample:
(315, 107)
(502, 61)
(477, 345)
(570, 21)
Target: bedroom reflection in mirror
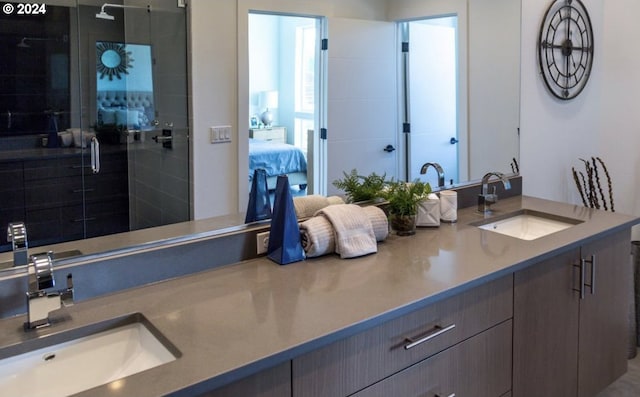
(124, 82)
(283, 83)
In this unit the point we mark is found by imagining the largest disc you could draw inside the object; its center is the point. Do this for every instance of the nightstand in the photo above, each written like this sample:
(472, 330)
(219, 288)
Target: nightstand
(273, 134)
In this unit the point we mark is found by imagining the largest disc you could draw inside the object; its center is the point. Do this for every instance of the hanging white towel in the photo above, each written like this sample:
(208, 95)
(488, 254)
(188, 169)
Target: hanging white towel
(353, 231)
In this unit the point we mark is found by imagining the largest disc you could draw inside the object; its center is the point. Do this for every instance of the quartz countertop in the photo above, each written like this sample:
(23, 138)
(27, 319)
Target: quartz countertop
(236, 320)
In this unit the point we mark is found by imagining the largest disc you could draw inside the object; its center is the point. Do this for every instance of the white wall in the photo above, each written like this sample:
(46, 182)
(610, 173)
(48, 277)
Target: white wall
(555, 133)
(213, 60)
(604, 120)
(619, 138)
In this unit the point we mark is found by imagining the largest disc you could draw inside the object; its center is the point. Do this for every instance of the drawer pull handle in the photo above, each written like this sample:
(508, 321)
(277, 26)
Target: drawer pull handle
(592, 262)
(450, 395)
(437, 330)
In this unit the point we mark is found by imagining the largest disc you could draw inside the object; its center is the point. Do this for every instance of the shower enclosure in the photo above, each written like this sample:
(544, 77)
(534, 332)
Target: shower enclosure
(93, 119)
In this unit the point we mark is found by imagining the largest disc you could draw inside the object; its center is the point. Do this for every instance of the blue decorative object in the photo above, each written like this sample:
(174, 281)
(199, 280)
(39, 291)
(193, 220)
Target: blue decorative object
(259, 207)
(52, 129)
(284, 238)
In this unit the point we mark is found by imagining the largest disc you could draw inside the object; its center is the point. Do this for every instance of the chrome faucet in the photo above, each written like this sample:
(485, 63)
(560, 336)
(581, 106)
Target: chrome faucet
(17, 235)
(486, 199)
(41, 299)
(438, 169)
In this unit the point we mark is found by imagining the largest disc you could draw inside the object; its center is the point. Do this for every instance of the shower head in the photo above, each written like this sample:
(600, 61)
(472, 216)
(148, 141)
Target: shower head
(104, 15)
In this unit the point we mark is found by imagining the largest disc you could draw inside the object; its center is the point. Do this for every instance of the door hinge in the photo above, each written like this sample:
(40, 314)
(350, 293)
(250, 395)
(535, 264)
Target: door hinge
(323, 133)
(405, 46)
(324, 44)
(406, 128)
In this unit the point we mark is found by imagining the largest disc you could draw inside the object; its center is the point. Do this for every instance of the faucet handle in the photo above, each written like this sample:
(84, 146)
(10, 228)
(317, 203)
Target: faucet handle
(17, 234)
(41, 272)
(66, 295)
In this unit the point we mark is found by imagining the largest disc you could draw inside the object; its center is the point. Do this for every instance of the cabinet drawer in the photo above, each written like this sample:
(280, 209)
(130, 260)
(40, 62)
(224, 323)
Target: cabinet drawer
(274, 134)
(354, 363)
(478, 367)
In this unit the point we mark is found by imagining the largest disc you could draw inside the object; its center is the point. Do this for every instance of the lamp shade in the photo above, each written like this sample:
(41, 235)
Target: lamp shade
(269, 99)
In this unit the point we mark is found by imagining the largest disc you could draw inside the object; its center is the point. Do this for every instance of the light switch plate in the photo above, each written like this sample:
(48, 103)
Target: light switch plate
(220, 134)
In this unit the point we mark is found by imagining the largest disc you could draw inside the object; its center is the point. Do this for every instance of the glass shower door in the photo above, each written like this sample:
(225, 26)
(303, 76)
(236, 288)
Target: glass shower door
(158, 145)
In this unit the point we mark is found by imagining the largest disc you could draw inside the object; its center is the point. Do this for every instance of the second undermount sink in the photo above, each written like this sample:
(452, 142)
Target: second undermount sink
(78, 360)
(527, 224)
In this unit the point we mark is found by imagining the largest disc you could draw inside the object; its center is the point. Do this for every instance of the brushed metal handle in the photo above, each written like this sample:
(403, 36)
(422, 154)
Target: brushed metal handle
(437, 331)
(582, 278)
(450, 395)
(592, 262)
(95, 155)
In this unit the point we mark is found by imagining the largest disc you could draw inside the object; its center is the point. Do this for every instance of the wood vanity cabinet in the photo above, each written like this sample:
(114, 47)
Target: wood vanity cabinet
(60, 205)
(479, 366)
(468, 347)
(565, 345)
(272, 382)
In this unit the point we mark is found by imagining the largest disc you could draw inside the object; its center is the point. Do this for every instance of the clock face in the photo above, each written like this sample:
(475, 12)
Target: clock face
(565, 48)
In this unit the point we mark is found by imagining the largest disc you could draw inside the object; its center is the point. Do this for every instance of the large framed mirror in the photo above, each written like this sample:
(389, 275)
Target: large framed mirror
(165, 29)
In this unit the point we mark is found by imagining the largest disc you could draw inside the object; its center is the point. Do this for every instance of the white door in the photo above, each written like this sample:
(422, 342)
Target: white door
(433, 98)
(361, 99)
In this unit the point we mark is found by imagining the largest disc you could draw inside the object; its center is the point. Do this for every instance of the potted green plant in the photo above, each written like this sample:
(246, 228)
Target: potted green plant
(358, 188)
(402, 207)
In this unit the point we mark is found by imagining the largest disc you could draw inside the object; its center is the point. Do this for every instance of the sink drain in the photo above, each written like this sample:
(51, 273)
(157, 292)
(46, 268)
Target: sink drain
(49, 356)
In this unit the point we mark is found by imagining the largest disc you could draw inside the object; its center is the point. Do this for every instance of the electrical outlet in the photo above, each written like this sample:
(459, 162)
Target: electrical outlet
(262, 242)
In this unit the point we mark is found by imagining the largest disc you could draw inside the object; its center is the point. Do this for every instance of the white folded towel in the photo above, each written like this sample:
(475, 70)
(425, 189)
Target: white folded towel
(317, 237)
(353, 231)
(378, 220)
(307, 206)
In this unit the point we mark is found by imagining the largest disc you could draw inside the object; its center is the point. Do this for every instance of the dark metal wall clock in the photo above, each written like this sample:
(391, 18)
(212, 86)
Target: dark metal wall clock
(565, 48)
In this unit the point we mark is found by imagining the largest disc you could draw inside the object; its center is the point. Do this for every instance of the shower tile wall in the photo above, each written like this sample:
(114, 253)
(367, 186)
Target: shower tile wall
(158, 180)
(34, 74)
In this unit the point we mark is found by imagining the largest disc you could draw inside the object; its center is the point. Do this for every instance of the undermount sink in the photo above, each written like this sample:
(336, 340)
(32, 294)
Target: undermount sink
(527, 224)
(78, 360)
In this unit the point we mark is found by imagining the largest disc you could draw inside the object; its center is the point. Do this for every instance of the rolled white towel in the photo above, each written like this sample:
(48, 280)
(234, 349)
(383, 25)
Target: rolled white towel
(378, 220)
(317, 237)
(307, 206)
(354, 234)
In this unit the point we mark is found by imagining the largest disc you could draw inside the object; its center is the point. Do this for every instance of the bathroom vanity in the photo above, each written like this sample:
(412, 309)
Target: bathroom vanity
(455, 310)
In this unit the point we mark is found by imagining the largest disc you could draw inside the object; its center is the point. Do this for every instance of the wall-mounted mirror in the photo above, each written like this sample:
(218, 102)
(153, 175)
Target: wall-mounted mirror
(71, 46)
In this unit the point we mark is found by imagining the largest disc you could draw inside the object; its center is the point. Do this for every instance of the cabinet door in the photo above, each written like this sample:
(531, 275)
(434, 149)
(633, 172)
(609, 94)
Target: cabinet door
(603, 314)
(479, 367)
(545, 328)
(272, 382)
